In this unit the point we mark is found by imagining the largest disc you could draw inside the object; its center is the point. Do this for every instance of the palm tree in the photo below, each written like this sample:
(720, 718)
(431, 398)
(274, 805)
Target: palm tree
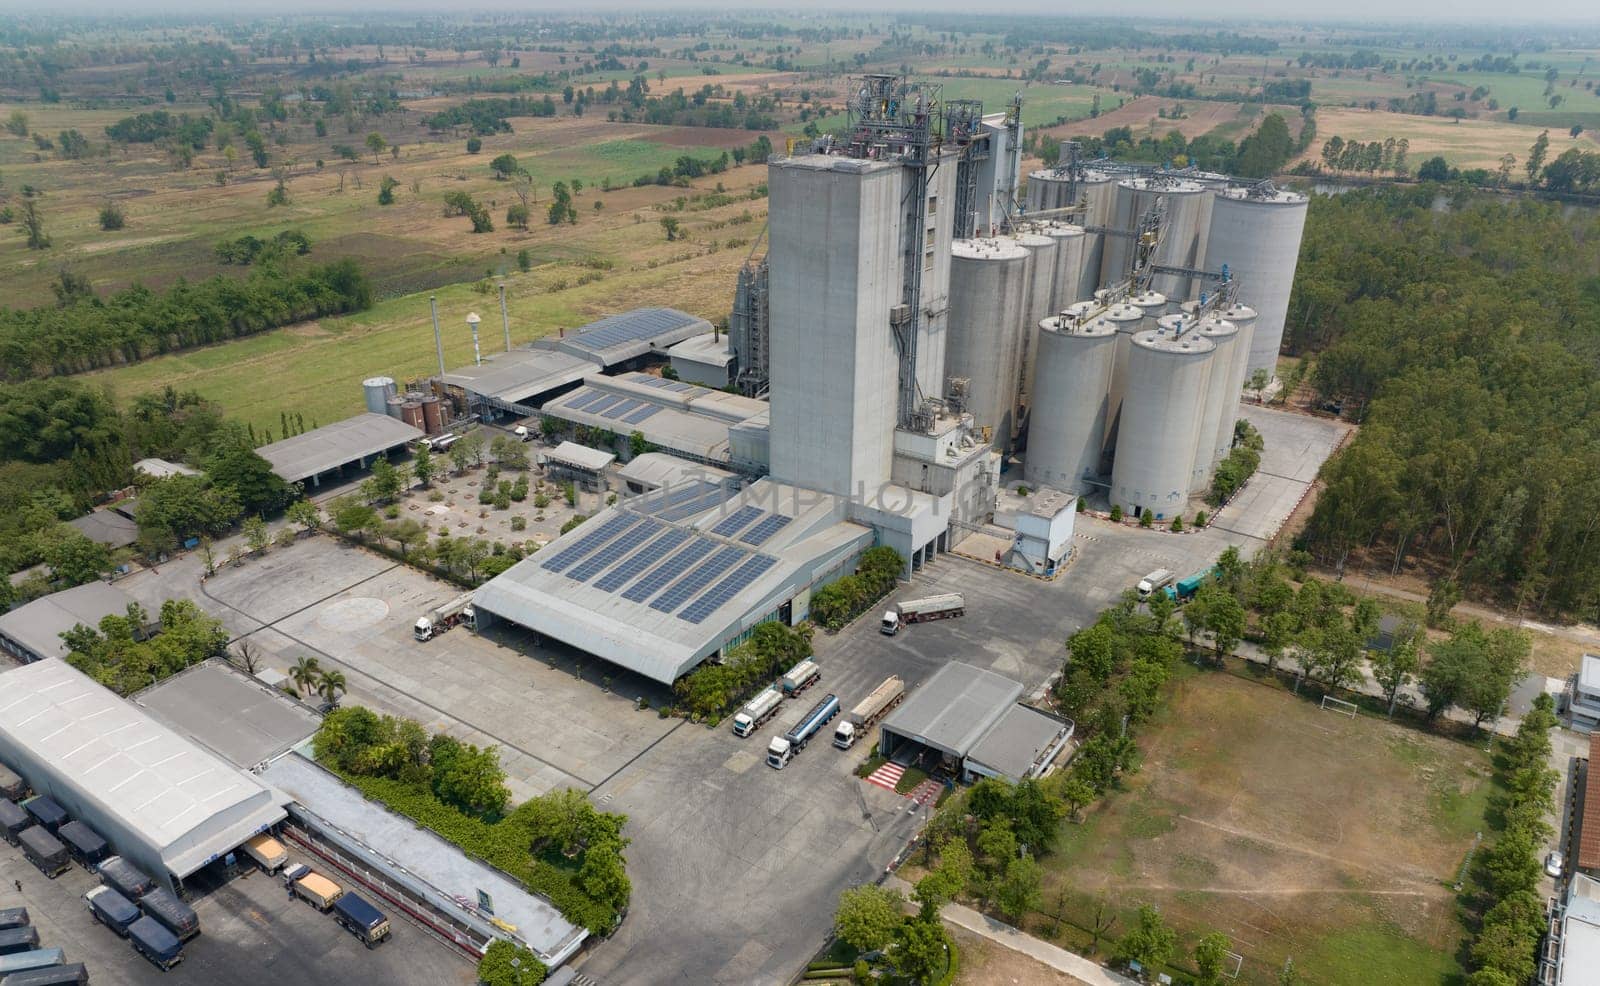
(331, 685)
(305, 674)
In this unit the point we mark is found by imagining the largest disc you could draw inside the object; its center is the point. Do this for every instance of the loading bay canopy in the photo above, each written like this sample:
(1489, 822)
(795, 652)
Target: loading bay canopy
(354, 440)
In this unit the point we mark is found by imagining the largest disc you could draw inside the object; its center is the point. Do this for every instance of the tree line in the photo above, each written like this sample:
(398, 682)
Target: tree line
(1260, 154)
(119, 656)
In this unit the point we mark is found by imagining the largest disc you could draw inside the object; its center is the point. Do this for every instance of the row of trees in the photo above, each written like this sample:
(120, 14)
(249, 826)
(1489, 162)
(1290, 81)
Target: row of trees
(842, 600)
(1238, 465)
(1374, 156)
(119, 656)
(1260, 154)
(713, 690)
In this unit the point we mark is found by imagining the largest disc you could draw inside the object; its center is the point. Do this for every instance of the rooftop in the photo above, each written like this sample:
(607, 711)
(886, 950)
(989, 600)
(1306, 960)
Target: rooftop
(331, 446)
(579, 457)
(1589, 825)
(521, 375)
(38, 626)
(657, 469)
(1580, 934)
(107, 527)
(227, 712)
(1014, 744)
(689, 420)
(1589, 674)
(711, 349)
(955, 707)
(618, 338)
(1046, 503)
(161, 468)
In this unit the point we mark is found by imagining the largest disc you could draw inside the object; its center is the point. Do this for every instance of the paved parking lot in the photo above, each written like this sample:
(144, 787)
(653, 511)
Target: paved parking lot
(250, 933)
(1296, 447)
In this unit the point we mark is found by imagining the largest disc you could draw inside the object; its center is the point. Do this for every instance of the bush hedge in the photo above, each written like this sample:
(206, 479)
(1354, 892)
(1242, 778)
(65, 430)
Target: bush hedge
(842, 600)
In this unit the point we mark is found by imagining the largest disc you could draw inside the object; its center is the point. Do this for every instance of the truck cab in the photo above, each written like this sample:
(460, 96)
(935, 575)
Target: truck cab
(743, 725)
(844, 737)
(890, 624)
(423, 630)
(779, 752)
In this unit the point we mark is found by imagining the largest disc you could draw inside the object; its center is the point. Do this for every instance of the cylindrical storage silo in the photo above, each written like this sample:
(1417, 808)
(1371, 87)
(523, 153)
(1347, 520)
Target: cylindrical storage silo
(1066, 423)
(1244, 317)
(1160, 419)
(432, 424)
(1184, 204)
(377, 391)
(1221, 400)
(1041, 289)
(392, 407)
(1127, 321)
(411, 414)
(1069, 264)
(1047, 190)
(1154, 304)
(1098, 194)
(1257, 235)
(988, 294)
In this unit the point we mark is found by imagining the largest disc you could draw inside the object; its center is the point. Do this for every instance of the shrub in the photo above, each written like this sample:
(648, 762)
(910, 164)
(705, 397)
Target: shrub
(1177, 525)
(1199, 518)
(495, 968)
(1147, 519)
(1116, 511)
(573, 523)
(1082, 505)
(474, 145)
(111, 217)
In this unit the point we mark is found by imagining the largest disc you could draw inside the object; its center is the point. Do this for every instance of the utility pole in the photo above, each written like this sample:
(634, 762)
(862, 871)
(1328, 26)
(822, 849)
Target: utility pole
(472, 323)
(438, 340)
(505, 320)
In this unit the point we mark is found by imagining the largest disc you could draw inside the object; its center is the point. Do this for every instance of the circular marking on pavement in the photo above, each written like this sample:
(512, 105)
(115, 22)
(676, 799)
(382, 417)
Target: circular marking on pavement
(353, 614)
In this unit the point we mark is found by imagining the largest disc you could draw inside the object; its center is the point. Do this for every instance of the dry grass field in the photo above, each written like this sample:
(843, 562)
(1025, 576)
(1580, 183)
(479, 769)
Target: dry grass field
(1467, 144)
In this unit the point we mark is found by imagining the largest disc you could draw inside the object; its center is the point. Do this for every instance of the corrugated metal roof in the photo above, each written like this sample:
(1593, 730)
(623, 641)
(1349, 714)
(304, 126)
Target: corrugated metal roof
(952, 710)
(331, 446)
(1015, 742)
(38, 625)
(522, 375)
(107, 527)
(580, 456)
(1589, 832)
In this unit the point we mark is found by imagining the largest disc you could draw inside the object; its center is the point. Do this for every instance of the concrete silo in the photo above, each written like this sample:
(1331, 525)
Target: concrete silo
(1066, 423)
(1046, 191)
(1221, 401)
(1041, 289)
(1244, 317)
(378, 391)
(1161, 412)
(988, 295)
(1184, 203)
(1257, 235)
(1098, 194)
(1127, 321)
(1154, 304)
(1069, 264)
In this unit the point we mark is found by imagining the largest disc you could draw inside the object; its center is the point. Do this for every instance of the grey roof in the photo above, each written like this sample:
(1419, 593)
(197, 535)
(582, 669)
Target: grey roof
(952, 710)
(618, 338)
(579, 457)
(38, 626)
(103, 751)
(680, 431)
(161, 468)
(522, 375)
(331, 446)
(711, 349)
(444, 868)
(1013, 745)
(657, 469)
(228, 713)
(1047, 504)
(107, 527)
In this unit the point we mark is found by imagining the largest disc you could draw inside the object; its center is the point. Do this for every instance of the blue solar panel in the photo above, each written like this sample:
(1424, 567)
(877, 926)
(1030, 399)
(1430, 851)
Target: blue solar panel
(641, 414)
(714, 496)
(680, 386)
(589, 542)
(647, 379)
(615, 551)
(601, 405)
(737, 521)
(584, 400)
(698, 579)
(662, 575)
(629, 327)
(752, 569)
(641, 560)
(628, 405)
(761, 532)
(677, 502)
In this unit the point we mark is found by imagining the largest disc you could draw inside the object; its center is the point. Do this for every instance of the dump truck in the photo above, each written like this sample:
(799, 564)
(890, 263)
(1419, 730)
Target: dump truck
(155, 942)
(124, 877)
(174, 915)
(14, 917)
(12, 820)
(800, 677)
(19, 962)
(757, 711)
(111, 909)
(12, 786)
(73, 974)
(311, 887)
(268, 852)
(83, 844)
(1155, 582)
(361, 919)
(441, 618)
(941, 607)
(868, 711)
(783, 748)
(46, 812)
(23, 939)
(44, 851)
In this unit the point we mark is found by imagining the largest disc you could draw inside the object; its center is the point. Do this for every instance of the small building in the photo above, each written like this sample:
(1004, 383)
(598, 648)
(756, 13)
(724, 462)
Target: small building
(1588, 854)
(332, 448)
(1583, 694)
(518, 381)
(969, 722)
(704, 359)
(33, 632)
(580, 464)
(656, 470)
(1041, 525)
(245, 721)
(683, 419)
(162, 469)
(1571, 955)
(113, 527)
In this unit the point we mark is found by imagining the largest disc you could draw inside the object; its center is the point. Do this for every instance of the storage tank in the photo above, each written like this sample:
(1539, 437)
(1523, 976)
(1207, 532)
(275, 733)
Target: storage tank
(1067, 421)
(378, 390)
(988, 293)
(1257, 235)
(393, 405)
(1069, 264)
(1160, 420)
(1041, 289)
(1180, 236)
(432, 423)
(1047, 190)
(1244, 317)
(1127, 321)
(1154, 304)
(1222, 401)
(1098, 193)
(411, 414)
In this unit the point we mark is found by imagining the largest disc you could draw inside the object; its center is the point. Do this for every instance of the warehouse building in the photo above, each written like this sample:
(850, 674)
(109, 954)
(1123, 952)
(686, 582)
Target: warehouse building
(113, 527)
(656, 470)
(1571, 949)
(518, 381)
(683, 419)
(329, 450)
(33, 632)
(162, 801)
(576, 463)
(239, 718)
(704, 359)
(969, 722)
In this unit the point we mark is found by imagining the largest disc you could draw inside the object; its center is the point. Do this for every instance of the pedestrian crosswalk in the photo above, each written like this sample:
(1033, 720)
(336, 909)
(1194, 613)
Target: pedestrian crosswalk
(887, 776)
(926, 793)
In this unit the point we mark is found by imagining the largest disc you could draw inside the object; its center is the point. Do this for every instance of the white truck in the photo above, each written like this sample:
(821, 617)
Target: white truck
(800, 677)
(522, 434)
(441, 618)
(941, 607)
(757, 711)
(1155, 582)
(868, 711)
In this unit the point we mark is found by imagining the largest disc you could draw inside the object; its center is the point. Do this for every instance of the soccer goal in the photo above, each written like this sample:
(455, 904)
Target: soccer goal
(1231, 964)
(1329, 703)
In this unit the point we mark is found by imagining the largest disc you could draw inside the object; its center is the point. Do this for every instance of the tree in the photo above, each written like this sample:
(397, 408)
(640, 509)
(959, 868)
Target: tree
(305, 674)
(1149, 942)
(305, 513)
(1078, 795)
(17, 124)
(474, 145)
(112, 217)
(330, 685)
(386, 189)
(1536, 156)
(504, 166)
(945, 882)
(1018, 890)
(517, 216)
(471, 779)
(473, 445)
(33, 224)
(922, 950)
(1435, 168)
(460, 455)
(246, 656)
(235, 467)
(671, 226)
(868, 916)
(353, 518)
(505, 964)
(73, 557)
(422, 465)
(1225, 618)
(1210, 953)
(376, 144)
(383, 484)
(256, 536)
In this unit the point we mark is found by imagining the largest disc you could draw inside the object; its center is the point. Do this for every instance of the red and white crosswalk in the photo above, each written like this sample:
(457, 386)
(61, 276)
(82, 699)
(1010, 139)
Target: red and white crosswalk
(926, 793)
(887, 776)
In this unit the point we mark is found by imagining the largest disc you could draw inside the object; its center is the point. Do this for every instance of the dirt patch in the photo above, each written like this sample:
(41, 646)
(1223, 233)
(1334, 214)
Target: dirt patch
(705, 136)
(986, 963)
(1143, 112)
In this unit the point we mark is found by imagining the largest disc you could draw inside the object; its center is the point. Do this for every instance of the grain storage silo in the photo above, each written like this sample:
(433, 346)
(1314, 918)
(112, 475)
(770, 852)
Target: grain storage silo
(1127, 321)
(1069, 264)
(1184, 204)
(1154, 304)
(1048, 190)
(1222, 400)
(1098, 194)
(1256, 233)
(378, 391)
(432, 420)
(1244, 317)
(1161, 412)
(988, 293)
(1067, 420)
(1041, 290)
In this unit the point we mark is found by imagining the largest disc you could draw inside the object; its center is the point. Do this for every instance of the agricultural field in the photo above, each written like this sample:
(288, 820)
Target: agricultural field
(1299, 833)
(1463, 143)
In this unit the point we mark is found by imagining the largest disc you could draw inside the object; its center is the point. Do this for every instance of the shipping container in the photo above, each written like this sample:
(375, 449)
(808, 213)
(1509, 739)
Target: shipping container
(39, 958)
(75, 974)
(23, 939)
(13, 917)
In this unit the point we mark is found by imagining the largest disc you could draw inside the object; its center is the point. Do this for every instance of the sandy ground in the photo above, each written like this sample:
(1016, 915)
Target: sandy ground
(985, 963)
(1141, 113)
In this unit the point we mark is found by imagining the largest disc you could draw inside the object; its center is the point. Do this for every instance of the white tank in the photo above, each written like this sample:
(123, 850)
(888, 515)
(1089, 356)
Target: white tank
(1041, 289)
(1258, 238)
(1069, 263)
(1047, 190)
(1244, 317)
(377, 391)
(1127, 321)
(1180, 236)
(1098, 193)
(1154, 304)
(1221, 400)
(1067, 420)
(1160, 420)
(988, 289)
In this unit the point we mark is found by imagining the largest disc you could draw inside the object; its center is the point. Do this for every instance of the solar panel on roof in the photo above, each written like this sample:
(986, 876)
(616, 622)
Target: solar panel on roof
(686, 587)
(680, 386)
(713, 496)
(599, 406)
(759, 534)
(589, 542)
(647, 379)
(615, 551)
(641, 560)
(583, 400)
(630, 326)
(628, 405)
(736, 521)
(676, 502)
(641, 414)
(662, 575)
(735, 583)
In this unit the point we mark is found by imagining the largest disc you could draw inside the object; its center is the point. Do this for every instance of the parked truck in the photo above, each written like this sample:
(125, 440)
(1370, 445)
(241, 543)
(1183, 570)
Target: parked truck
(868, 711)
(155, 942)
(174, 915)
(83, 844)
(941, 607)
(361, 919)
(124, 877)
(73, 974)
(311, 887)
(19, 962)
(14, 917)
(1155, 582)
(1184, 589)
(441, 618)
(111, 909)
(800, 677)
(12, 786)
(46, 812)
(757, 711)
(23, 939)
(44, 851)
(12, 820)
(783, 748)
(267, 852)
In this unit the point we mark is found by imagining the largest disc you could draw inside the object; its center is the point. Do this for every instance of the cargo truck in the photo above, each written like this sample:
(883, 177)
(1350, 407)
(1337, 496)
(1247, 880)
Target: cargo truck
(12, 786)
(75, 974)
(12, 820)
(441, 618)
(1155, 582)
(868, 711)
(783, 748)
(46, 812)
(111, 909)
(44, 851)
(39, 958)
(14, 917)
(1185, 588)
(757, 711)
(941, 607)
(23, 939)
(155, 942)
(361, 919)
(125, 878)
(83, 844)
(800, 677)
(313, 888)
(268, 852)
(174, 915)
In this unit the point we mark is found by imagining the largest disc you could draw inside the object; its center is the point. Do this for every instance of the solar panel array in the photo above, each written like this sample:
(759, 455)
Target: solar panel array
(664, 574)
(759, 534)
(720, 594)
(641, 414)
(629, 327)
(681, 590)
(602, 560)
(623, 408)
(641, 560)
(673, 498)
(584, 399)
(736, 521)
(589, 542)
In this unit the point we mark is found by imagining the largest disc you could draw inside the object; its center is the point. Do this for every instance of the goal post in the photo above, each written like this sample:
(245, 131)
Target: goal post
(1232, 963)
(1329, 703)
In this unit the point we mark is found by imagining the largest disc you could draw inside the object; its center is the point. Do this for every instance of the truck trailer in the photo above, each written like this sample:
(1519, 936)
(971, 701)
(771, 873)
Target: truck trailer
(12, 786)
(23, 939)
(12, 820)
(441, 618)
(174, 915)
(73, 974)
(46, 812)
(361, 919)
(941, 607)
(757, 711)
(14, 917)
(111, 909)
(311, 887)
(267, 852)
(19, 962)
(800, 677)
(83, 844)
(1155, 582)
(125, 878)
(868, 711)
(44, 851)
(783, 748)
(1185, 588)
(155, 942)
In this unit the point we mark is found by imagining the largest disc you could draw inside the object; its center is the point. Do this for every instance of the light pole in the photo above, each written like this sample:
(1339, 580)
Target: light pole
(505, 319)
(472, 323)
(438, 340)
